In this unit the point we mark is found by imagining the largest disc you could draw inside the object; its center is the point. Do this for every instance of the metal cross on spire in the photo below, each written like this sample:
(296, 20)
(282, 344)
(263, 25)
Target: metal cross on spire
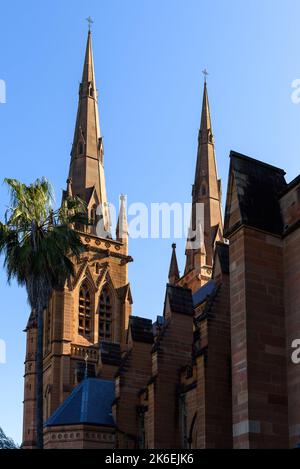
(205, 73)
(90, 22)
(86, 359)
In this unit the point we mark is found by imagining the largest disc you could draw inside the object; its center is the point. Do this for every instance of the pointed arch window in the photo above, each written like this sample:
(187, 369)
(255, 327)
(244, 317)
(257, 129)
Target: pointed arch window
(105, 315)
(85, 311)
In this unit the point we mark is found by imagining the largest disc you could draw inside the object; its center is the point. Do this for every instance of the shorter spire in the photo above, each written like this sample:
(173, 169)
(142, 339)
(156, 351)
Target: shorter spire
(122, 226)
(174, 275)
(206, 191)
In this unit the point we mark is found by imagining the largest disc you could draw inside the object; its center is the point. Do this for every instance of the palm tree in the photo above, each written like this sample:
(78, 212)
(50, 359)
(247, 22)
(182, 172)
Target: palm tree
(38, 244)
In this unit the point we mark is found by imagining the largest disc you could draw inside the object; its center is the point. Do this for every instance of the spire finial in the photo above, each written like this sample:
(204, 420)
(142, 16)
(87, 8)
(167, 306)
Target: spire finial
(174, 274)
(90, 22)
(86, 359)
(205, 73)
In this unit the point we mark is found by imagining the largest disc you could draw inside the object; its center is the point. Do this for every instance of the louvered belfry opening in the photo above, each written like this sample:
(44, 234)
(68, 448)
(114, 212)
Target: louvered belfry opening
(105, 315)
(85, 312)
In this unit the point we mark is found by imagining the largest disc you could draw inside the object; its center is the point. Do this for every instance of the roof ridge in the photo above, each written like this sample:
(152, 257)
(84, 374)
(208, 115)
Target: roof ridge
(235, 154)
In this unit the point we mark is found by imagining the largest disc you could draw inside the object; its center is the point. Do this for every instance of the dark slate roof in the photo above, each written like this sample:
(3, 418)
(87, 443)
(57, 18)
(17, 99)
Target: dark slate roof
(208, 308)
(141, 329)
(210, 302)
(110, 353)
(258, 186)
(203, 293)
(180, 300)
(90, 403)
(222, 251)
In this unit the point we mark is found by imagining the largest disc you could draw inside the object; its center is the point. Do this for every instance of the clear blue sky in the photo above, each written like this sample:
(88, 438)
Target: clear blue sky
(149, 55)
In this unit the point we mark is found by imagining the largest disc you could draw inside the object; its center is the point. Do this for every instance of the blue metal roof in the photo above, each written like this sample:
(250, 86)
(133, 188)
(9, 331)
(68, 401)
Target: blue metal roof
(203, 293)
(90, 403)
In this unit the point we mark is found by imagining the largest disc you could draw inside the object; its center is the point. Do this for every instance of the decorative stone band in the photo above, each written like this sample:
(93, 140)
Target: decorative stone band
(82, 352)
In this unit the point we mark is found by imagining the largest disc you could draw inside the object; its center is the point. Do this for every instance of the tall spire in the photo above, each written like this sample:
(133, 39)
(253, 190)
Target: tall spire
(87, 163)
(174, 271)
(206, 191)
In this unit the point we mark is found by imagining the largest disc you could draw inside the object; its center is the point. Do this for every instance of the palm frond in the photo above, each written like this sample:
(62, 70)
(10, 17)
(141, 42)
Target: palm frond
(38, 243)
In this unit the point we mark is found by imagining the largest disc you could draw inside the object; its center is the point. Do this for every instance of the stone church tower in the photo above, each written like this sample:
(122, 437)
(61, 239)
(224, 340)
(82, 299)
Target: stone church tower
(86, 322)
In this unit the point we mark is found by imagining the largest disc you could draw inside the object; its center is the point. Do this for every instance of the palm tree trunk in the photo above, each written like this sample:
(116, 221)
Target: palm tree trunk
(39, 352)
(39, 380)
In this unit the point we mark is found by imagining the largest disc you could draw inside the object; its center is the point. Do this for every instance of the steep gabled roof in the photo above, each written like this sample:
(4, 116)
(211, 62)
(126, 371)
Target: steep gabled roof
(258, 186)
(110, 353)
(203, 293)
(180, 300)
(141, 329)
(90, 403)
(222, 251)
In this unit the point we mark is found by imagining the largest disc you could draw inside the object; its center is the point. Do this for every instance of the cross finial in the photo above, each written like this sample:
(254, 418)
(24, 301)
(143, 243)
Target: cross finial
(90, 22)
(205, 73)
(86, 365)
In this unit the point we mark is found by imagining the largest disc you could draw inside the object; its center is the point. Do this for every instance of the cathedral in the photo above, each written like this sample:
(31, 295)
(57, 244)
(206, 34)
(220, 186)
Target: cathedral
(215, 370)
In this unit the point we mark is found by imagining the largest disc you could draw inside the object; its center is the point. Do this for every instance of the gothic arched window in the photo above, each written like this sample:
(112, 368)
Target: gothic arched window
(85, 311)
(105, 315)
